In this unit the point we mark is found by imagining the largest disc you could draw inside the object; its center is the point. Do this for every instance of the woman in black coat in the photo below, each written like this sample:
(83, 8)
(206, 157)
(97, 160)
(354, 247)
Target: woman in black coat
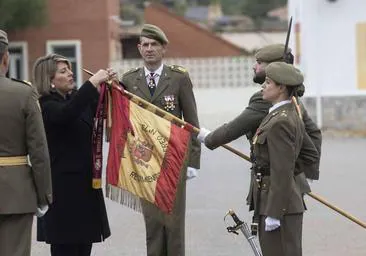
(77, 218)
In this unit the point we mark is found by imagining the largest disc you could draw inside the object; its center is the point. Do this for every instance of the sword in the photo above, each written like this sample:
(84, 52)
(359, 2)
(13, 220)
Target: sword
(245, 230)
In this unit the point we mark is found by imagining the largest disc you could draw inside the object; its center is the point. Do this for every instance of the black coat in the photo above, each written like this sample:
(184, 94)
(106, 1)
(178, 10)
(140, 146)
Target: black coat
(78, 213)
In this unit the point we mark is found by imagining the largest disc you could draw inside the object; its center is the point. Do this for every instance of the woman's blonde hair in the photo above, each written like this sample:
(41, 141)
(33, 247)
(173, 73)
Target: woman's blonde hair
(44, 70)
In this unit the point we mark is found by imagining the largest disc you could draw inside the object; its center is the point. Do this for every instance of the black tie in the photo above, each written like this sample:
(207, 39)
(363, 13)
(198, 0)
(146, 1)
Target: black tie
(152, 85)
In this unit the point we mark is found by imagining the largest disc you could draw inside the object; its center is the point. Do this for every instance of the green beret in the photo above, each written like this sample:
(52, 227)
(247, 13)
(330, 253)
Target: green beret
(283, 73)
(154, 32)
(270, 53)
(3, 37)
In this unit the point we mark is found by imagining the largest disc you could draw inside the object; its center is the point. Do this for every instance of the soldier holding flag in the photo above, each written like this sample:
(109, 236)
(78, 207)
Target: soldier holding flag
(249, 120)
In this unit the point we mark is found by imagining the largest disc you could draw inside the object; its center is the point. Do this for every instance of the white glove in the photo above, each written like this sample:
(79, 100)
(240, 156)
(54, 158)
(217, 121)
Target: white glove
(41, 210)
(191, 173)
(271, 224)
(202, 134)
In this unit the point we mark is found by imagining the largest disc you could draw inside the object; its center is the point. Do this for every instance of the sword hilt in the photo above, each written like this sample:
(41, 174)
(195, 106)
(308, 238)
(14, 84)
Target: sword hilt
(232, 230)
(238, 222)
(235, 217)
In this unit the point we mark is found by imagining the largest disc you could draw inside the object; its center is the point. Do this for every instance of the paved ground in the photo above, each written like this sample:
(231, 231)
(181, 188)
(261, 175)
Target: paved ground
(223, 183)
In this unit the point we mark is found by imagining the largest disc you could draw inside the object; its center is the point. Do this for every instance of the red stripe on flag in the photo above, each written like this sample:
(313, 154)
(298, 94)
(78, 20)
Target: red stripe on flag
(121, 126)
(166, 187)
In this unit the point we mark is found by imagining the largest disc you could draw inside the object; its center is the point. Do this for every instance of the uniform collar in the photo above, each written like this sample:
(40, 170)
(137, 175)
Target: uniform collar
(158, 71)
(279, 104)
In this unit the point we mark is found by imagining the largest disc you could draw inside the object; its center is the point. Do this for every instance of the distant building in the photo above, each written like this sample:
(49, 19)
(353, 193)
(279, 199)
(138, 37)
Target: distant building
(252, 41)
(241, 30)
(280, 13)
(87, 32)
(207, 15)
(329, 39)
(187, 39)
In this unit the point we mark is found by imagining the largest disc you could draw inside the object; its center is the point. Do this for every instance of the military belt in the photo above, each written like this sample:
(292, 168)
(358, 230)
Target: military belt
(13, 160)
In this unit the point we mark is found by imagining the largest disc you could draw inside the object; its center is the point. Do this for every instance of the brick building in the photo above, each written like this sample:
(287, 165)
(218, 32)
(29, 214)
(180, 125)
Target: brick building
(86, 31)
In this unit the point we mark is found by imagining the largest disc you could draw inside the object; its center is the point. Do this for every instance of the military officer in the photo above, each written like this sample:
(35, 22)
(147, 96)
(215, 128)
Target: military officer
(24, 190)
(248, 121)
(169, 88)
(277, 197)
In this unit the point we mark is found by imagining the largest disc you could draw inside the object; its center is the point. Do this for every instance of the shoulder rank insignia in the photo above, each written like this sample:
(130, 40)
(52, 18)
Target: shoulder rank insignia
(275, 113)
(21, 81)
(178, 68)
(283, 113)
(132, 70)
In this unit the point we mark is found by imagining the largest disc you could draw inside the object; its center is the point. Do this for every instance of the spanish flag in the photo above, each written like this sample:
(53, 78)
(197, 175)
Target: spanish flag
(147, 154)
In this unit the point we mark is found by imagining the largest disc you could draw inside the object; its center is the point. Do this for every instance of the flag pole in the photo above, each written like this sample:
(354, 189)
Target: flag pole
(170, 117)
(166, 115)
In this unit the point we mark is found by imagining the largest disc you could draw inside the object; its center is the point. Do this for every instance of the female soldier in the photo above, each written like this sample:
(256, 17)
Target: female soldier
(276, 197)
(78, 217)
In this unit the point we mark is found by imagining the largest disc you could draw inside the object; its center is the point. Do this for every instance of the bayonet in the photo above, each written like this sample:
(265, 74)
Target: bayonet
(287, 38)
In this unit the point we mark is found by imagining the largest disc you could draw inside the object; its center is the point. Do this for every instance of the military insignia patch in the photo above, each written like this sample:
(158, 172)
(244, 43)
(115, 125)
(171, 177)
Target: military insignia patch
(132, 70)
(22, 81)
(168, 102)
(27, 82)
(178, 68)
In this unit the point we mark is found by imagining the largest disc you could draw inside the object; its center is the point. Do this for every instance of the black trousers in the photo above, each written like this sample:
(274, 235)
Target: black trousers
(71, 249)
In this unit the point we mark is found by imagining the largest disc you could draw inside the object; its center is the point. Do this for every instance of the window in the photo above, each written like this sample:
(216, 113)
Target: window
(71, 49)
(18, 67)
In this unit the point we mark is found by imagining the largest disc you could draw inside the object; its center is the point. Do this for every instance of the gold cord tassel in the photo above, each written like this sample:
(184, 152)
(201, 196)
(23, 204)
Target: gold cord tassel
(294, 100)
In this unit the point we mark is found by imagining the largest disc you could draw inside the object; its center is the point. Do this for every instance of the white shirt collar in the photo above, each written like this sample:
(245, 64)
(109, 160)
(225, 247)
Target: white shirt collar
(158, 71)
(279, 104)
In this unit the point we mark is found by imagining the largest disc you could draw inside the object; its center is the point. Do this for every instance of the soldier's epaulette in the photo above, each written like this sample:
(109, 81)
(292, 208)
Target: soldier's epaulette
(282, 113)
(178, 68)
(21, 81)
(132, 70)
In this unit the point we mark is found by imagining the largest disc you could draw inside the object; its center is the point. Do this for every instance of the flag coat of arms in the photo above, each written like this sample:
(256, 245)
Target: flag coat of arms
(146, 155)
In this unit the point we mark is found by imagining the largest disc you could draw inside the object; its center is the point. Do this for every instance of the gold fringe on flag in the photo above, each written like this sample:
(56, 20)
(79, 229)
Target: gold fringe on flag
(124, 197)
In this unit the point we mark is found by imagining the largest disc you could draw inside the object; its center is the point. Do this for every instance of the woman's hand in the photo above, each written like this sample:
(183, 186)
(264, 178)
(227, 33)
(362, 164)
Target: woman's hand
(102, 76)
(112, 74)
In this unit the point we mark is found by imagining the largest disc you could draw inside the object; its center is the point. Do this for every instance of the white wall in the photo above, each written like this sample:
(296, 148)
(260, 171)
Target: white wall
(217, 106)
(328, 44)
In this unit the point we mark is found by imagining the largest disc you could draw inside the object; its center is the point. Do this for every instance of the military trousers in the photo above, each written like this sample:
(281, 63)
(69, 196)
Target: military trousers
(15, 234)
(285, 240)
(165, 234)
(164, 240)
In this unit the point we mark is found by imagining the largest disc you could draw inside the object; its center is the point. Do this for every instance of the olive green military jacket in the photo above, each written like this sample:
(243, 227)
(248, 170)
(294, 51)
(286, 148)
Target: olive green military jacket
(174, 94)
(277, 144)
(248, 122)
(22, 188)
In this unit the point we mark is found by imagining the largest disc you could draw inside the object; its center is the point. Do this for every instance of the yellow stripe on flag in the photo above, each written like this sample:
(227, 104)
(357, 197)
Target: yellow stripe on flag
(144, 153)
